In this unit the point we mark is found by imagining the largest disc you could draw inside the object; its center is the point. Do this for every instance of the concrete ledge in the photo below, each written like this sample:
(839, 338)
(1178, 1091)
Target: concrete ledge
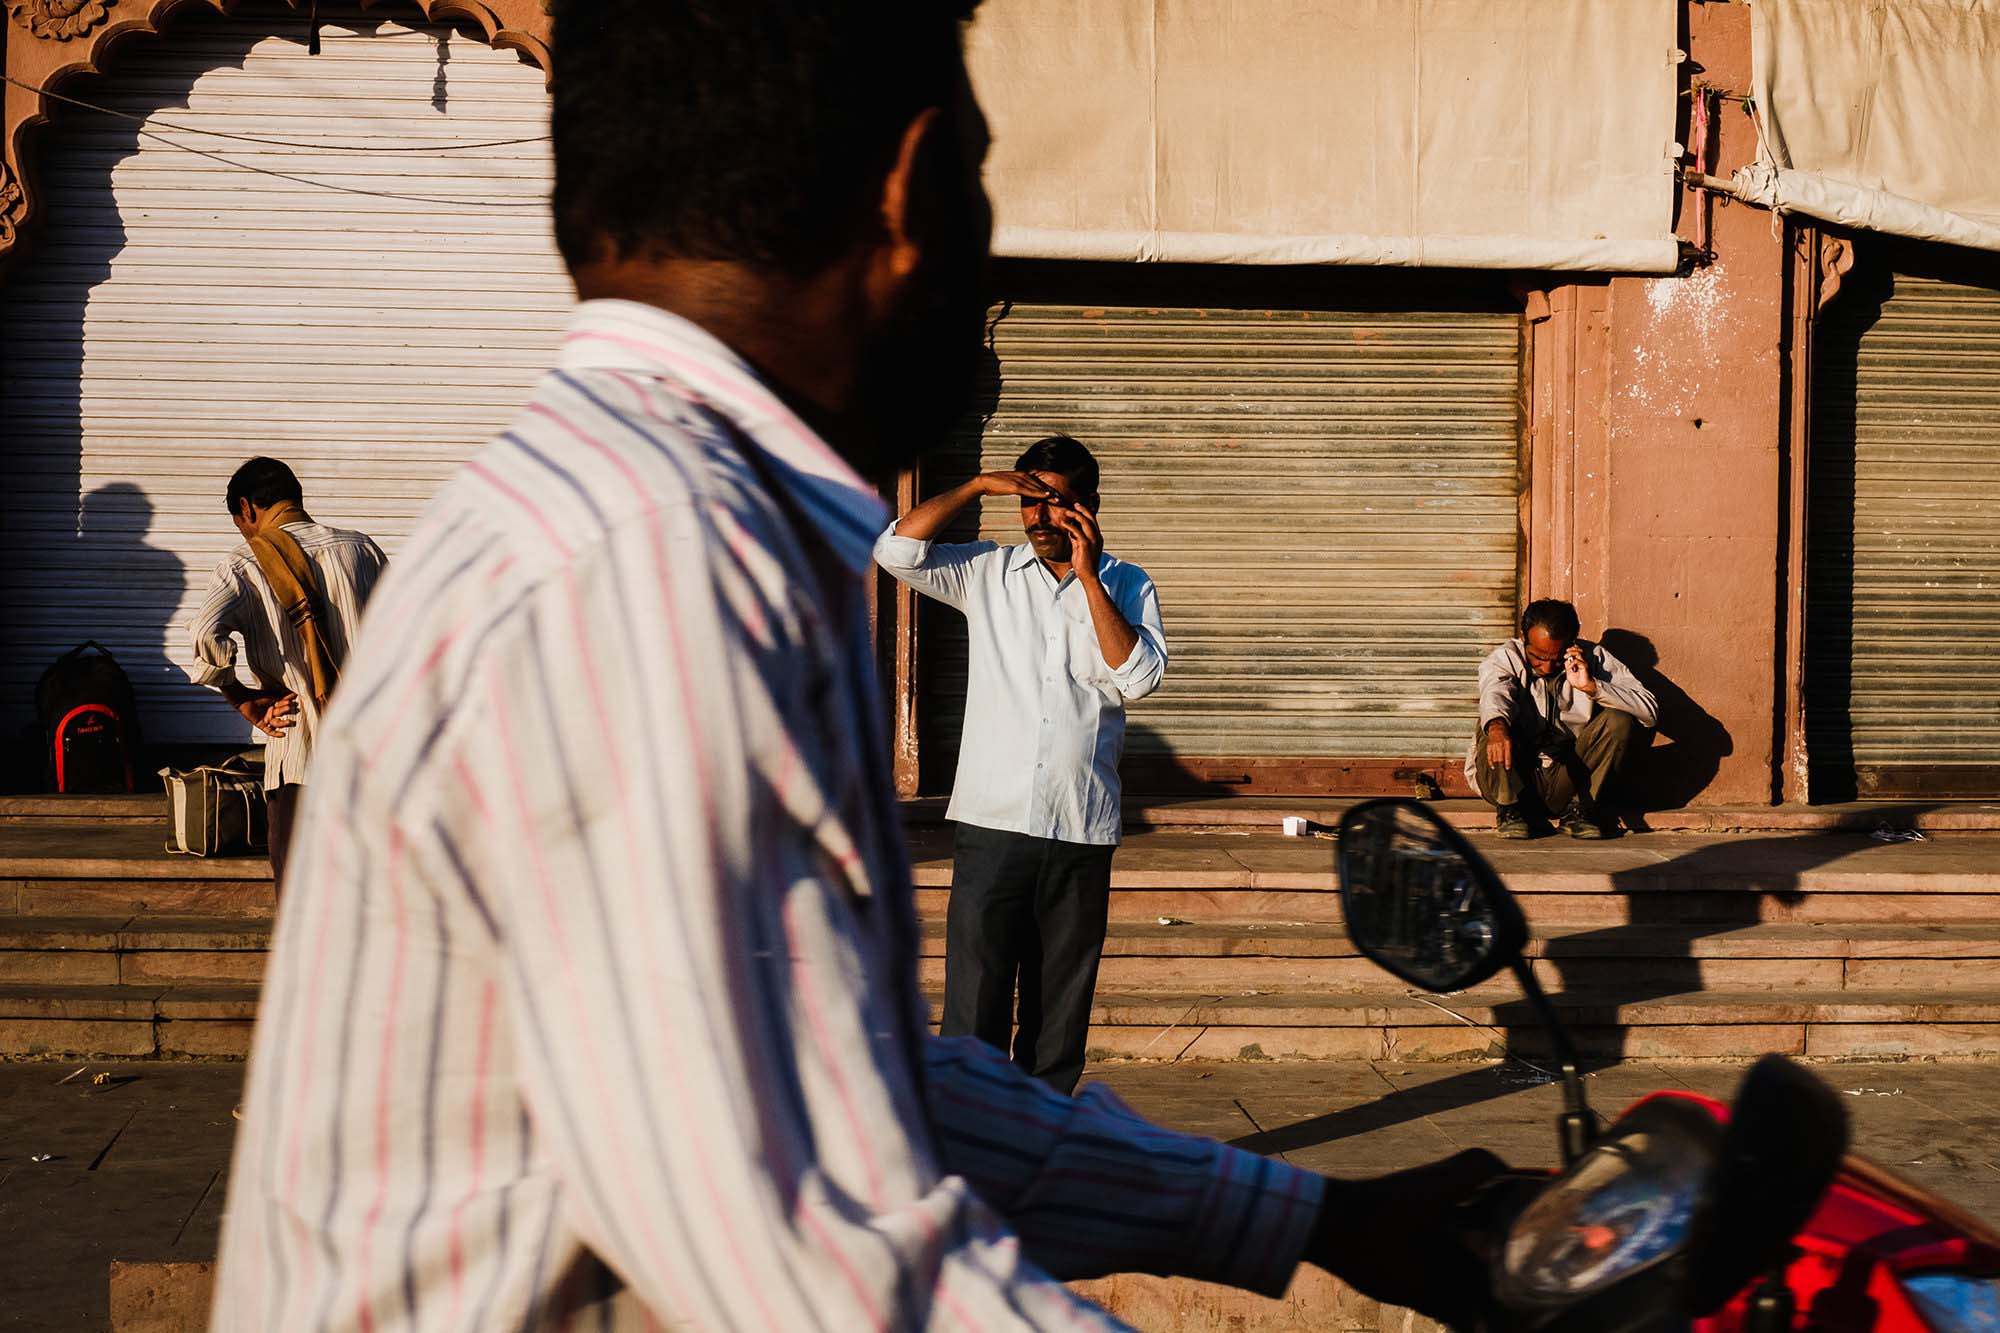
(161, 1297)
(1264, 812)
(176, 1297)
(1314, 1303)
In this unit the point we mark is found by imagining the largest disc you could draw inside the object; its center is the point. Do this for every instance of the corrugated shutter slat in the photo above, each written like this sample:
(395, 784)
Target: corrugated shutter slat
(1903, 580)
(1326, 501)
(178, 315)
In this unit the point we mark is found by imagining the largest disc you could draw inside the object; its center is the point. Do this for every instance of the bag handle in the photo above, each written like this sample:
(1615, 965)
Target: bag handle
(77, 651)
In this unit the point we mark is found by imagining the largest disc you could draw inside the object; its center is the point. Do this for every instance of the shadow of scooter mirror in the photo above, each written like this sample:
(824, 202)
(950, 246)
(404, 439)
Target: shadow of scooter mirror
(1419, 902)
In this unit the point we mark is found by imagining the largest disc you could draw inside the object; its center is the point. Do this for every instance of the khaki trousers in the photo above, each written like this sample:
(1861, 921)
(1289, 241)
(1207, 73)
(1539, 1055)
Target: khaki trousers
(1599, 751)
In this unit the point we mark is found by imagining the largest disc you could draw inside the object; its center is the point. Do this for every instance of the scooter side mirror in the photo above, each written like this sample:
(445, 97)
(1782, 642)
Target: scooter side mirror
(1787, 1135)
(1420, 902)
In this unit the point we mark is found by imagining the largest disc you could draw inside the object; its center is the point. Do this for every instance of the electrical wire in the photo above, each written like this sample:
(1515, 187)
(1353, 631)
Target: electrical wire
(144, 133)
(273, 143)
(346, 189)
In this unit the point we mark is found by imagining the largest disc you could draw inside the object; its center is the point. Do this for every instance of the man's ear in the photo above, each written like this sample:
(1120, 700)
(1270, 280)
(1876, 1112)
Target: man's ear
(907, 198)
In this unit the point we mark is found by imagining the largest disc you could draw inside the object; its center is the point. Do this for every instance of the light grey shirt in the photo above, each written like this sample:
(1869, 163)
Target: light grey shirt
(240, 601)
(1044, 712)
(1508, 688)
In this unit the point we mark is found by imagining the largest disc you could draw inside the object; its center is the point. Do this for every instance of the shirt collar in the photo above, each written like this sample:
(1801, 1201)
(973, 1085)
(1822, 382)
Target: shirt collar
(1023, 555)
(646, 340)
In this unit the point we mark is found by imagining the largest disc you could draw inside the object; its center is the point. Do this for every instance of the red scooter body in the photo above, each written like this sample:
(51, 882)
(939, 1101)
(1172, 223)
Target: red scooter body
(1871, 1228)
(1663, 1212)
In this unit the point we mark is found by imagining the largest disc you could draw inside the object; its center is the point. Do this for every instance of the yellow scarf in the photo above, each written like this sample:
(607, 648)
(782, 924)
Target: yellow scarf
(296, 587)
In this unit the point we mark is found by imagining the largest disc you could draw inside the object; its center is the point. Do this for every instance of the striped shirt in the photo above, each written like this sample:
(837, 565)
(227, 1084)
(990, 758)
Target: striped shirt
(592, 1000)
(240, 601)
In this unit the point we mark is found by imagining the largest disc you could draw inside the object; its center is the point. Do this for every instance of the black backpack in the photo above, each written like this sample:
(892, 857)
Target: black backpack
(89, 721)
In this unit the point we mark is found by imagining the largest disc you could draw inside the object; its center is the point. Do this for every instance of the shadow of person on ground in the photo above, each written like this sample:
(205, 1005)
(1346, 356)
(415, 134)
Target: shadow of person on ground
(1670, 908)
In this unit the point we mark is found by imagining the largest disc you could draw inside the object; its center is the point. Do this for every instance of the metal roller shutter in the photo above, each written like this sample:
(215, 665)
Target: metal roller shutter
(1326, 500)
(179, 315)
(1903, 549)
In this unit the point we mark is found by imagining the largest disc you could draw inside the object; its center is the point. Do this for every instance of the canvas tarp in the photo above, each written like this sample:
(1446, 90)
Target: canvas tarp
(1479, 133)
(1881, 114)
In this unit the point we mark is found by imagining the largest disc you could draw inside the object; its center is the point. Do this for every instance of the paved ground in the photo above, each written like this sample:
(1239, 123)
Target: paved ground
(136, 1167)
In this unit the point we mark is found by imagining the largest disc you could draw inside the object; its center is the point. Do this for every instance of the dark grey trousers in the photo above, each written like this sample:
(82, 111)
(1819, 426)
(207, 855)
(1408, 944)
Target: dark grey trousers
(1599, 751)
(281, 806)
(1032, 911)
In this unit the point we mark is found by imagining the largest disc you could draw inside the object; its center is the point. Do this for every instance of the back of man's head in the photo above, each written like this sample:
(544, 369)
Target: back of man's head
(1066, 457)
(751, 131)
(1555, 618)
(263, 482)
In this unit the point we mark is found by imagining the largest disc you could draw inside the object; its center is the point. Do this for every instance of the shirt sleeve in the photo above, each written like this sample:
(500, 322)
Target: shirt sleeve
(1498, 688)
(214, 651)
(717, 1066)
(1618, 688)
(1143, 669)
(373, 564)
(943, 570)
(1092, 1189)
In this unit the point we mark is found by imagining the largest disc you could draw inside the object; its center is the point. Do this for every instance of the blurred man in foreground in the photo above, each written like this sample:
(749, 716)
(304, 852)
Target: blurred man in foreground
(595, 999)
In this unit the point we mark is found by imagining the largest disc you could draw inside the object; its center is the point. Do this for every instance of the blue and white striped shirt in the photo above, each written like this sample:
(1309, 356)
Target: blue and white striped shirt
(593, 994)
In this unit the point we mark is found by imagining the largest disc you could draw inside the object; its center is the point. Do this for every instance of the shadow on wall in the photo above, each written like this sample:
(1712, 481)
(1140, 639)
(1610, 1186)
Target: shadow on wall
(114, 522)
(75, 559)
(1691, 743)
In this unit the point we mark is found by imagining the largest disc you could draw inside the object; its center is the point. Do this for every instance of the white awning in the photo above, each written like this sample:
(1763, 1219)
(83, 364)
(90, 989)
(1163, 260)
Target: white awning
(1878, 115)
(1457, 133)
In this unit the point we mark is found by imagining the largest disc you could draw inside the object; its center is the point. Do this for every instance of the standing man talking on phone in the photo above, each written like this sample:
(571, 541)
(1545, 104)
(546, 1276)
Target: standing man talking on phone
(1062, 637)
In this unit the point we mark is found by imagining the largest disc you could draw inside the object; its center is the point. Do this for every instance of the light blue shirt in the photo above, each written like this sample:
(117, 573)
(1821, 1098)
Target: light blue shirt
(1044, 713)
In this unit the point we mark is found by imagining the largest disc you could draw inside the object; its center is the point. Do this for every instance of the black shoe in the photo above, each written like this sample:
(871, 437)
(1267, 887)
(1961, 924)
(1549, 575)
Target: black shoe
(1580, 821)
(1509, 822)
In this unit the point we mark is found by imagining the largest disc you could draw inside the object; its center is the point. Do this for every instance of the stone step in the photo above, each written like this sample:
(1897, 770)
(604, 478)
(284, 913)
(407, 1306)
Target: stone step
(1308, 939)
(1399, 1025)
(1582, 976)
(1313, 956)
(1265, 813)
(136, 951)
(43, 1021)
(146, 806)
(1669, 945)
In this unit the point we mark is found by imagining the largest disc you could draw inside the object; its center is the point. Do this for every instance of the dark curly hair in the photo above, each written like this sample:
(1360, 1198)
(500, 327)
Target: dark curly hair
(754, 131)
(1558, 618)
(1063, 456)
(263, 482)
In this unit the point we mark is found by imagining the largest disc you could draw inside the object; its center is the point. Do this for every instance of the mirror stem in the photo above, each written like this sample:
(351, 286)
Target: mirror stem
(1575, 1127)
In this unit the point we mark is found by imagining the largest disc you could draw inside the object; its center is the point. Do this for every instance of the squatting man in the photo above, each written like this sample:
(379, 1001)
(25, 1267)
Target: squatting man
(1558, 719)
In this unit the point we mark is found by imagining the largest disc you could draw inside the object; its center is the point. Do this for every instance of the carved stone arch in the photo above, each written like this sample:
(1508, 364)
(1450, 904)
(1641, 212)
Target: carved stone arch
(46, 43)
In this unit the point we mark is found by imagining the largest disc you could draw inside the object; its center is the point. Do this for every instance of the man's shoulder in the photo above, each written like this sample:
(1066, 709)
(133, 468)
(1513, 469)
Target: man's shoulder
(328, 536)
(1117, 571)
(585, 459)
